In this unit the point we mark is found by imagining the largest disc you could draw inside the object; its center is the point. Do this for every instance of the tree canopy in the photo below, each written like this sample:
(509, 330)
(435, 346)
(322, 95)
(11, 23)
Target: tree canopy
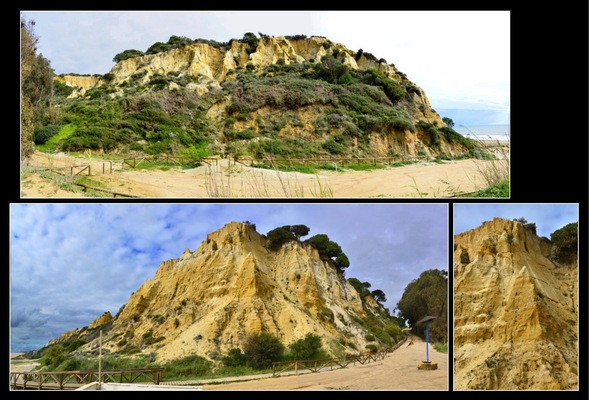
(565, 240)
(330, 249)
(36, 77)
(278, 236)
(427, 296)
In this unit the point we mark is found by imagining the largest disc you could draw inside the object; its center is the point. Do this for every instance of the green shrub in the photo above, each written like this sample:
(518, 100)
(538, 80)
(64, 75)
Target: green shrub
(190, 366)
(394, 331)
(333, 146)
(308, 348)
(262, 349)
(157, 47)
(53, 356)
(326, 314)
(61, 89)
(371, 348)
(127, 54)
(75, 345)
(235, 358)
(45, 133)
(566, 241)
(71, 364)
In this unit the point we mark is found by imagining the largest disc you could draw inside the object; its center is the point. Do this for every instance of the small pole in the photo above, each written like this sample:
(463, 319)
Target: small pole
(426, 364)
(426, 343)
(100, 362)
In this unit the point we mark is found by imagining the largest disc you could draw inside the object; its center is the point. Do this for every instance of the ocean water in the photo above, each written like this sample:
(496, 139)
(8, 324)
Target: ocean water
(484, 132)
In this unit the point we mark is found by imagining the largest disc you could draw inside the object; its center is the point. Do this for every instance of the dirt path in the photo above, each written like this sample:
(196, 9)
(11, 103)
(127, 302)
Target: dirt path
(429, 180)
(397, 371)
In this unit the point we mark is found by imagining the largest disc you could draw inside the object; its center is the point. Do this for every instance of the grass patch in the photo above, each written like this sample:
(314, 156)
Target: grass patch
(441, 347)
(365, 167)
(83, 180)
(403, 163)
(499, 190)
(304, 169)
(65, 132)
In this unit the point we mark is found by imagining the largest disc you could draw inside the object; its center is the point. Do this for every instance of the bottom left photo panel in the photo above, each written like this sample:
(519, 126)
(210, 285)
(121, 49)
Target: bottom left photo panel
(225, 296)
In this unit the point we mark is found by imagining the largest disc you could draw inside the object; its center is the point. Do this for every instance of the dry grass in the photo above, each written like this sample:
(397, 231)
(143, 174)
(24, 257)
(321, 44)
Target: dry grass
(232, 182)
(497, 170)
(492, 170)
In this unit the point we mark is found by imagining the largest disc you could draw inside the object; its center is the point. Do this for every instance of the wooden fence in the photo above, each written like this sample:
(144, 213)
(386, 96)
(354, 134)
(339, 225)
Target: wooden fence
(333, 162)
(137, 161)
(85, 189)
(326, 364)
(70, 380)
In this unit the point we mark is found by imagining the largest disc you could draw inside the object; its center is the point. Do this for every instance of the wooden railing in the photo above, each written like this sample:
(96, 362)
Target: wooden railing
(70, 380)
(326, 363)
(332, 161)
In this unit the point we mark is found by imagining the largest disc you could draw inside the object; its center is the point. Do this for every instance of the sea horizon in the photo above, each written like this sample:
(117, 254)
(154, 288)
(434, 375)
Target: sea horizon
(498, 132)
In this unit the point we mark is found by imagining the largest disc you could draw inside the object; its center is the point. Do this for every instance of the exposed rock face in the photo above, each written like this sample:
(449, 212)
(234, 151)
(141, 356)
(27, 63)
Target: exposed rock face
(208, 301)
(515, 311)
(103, 319)
(215, 64)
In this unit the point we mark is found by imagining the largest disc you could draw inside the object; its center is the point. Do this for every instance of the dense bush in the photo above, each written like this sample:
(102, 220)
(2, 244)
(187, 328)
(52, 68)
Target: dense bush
(262, 349)
(308, 348)
(127, 54)
(61, 89)
(235, 358)
(189, 366)
(53, 356)
(45, 133)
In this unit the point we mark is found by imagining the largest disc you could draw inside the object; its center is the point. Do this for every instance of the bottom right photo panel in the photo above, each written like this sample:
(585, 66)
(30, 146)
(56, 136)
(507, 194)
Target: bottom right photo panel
(516, 296)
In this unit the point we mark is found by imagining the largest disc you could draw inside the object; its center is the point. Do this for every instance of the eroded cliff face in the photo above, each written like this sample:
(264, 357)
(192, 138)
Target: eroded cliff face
(215, 64)
(208, 301)
(515, 311)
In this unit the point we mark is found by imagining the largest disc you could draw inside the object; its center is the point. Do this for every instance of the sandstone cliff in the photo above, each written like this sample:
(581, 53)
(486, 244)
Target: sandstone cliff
(208, 301)
(283, 96)
(515, 311)
(215, 65)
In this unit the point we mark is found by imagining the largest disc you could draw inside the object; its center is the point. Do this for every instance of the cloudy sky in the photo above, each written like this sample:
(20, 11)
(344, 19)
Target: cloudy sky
(461, 59)
(69, 263)
(548, 217)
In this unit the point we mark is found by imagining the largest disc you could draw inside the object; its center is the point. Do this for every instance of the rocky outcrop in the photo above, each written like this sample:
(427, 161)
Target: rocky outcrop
(215, 64)
(208, 301)
(103, 319)
(516, 319)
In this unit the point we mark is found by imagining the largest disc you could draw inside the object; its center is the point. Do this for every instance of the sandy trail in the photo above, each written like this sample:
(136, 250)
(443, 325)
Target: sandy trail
(397, 371)
(225, 180)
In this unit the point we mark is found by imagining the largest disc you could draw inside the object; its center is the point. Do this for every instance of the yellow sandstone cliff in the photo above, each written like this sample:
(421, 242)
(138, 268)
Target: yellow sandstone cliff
(515, 311)
(208, 301)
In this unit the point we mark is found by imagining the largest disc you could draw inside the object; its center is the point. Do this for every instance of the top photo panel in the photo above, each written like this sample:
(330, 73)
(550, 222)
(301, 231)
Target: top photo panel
(265, 104)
